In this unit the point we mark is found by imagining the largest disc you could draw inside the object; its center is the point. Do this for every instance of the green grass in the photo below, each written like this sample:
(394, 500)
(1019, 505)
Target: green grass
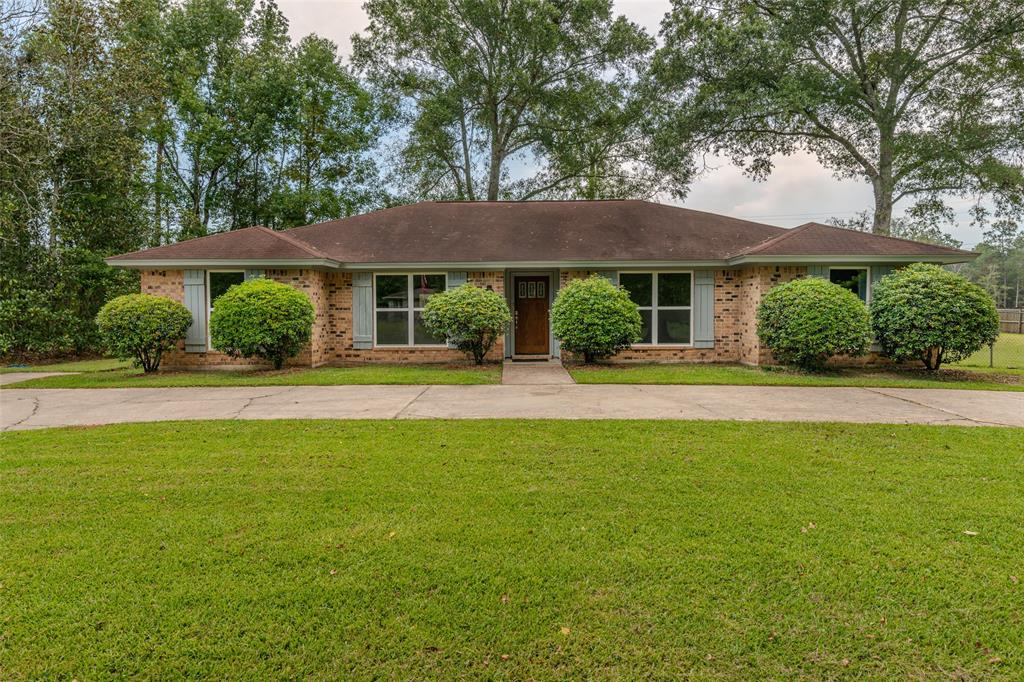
(97, 365)
(723, 374)
(511, 550)
(321, 376)
(1008, 354)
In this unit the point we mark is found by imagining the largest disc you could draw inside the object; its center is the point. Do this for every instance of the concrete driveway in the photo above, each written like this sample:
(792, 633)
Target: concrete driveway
(37, 408)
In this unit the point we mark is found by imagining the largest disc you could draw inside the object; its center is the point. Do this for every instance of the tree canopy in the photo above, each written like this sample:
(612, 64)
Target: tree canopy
(504, 99)
(918, 97)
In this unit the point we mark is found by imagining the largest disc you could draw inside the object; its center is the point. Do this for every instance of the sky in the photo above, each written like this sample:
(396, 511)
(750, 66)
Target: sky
(798, 191)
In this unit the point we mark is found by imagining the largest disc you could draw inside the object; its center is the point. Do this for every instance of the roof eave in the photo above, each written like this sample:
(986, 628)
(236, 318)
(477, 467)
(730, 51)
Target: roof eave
(945, 259)
(206, 263)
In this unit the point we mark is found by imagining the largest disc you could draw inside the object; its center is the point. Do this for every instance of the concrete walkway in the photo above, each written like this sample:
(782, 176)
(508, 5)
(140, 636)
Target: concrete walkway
(15, 377)
(540, 373)
(36, 408)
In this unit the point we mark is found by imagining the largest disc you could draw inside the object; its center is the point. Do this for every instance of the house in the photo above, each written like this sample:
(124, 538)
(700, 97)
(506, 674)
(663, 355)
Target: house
(697, 277)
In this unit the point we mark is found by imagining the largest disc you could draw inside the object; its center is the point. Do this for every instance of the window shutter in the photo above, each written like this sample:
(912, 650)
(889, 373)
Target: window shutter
(817, 271)
(195, 301)
(704, 309)
(879, 271)
(610, 275)
(362, 310)
(253, 274)
(455, 280)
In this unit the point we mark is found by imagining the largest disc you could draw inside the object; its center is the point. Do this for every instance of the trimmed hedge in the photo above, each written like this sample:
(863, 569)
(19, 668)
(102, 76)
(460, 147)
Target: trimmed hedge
(924, 312)
(806, 321)
(142, 327)
(594, 318)
(471, 319)
(262, 319)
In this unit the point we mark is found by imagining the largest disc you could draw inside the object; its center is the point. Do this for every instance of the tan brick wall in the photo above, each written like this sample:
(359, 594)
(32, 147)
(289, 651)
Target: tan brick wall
(171, 284)
(340, 316)
(737, 294)
(331, 341)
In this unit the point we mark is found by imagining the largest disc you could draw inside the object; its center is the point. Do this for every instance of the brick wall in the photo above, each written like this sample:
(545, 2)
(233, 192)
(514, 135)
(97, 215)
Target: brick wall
(331, 341)
(340, 316)
(737, 294)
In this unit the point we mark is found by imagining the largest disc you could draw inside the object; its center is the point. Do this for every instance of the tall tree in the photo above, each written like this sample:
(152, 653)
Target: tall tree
(257, 130)
(918, 97)
(495, 89)
(332, 122)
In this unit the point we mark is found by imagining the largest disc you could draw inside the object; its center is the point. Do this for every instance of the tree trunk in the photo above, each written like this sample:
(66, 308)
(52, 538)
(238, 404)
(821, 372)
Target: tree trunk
(883, 188)
(494, 173)
(882, 223)
(158, 193)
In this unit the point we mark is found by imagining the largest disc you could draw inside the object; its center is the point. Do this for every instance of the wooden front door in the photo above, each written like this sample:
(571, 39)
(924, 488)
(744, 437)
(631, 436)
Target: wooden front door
(531, 314)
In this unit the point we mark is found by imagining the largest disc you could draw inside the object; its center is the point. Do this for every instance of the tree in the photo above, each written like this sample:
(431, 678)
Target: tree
(141, 328)
(594, 318)
(999, 269)
(331, 124)
(923, 312)
(257, 131)
(918, 97)
(262, 319)
(924, 222)
(470, 317)
(807, 321)
(486, 83)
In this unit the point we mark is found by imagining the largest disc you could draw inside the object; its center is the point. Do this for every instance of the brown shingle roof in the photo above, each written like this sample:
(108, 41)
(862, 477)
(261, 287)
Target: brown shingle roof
(438, 232)
(815, 239)
(251, 243)
(534, 231)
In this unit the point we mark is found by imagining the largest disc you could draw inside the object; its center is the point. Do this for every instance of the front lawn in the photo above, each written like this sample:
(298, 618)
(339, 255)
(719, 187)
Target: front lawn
(1007, 353)
(512, 550)
(321, 376)
(724, 374)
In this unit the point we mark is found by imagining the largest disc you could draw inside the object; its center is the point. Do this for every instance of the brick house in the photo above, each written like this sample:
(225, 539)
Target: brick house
(697, 277)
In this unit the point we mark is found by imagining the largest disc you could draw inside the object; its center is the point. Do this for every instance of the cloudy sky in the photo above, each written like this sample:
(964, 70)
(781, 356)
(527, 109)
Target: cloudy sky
(799, 190)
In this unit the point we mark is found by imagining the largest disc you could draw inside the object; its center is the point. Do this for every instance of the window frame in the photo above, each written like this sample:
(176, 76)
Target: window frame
(867, 280)
(209, 303)
(654, 307)
(410, 310)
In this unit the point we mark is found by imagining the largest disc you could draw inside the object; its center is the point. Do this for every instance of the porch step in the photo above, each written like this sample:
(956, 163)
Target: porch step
(534, 373)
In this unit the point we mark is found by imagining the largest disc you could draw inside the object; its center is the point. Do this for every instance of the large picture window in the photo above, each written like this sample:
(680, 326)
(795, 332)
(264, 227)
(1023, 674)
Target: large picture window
(854, 279)
(665, 300)
(398, 308)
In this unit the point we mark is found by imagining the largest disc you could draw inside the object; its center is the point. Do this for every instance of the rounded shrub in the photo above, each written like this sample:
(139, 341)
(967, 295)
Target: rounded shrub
(471, 319)
(806, 321)
(262, 319)
(594, 318)
(924, 312)
(141, 328)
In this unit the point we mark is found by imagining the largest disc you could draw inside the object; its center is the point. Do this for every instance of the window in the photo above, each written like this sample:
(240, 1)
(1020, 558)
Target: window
(665, 301)
(854, 279)
(398, 308)
(220, 282)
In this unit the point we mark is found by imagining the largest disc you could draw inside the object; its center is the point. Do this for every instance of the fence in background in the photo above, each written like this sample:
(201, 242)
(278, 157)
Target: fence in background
(1011, 320)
